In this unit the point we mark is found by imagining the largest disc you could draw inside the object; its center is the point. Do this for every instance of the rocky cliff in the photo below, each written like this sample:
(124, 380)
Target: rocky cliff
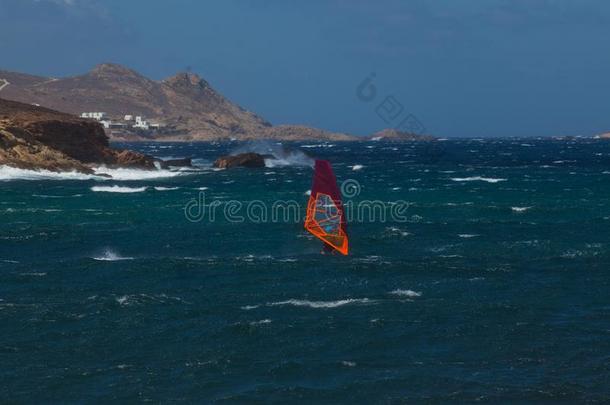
(34, 137)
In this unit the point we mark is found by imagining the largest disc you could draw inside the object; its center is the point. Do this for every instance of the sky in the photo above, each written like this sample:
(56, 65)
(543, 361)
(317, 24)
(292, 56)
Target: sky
(455, 67)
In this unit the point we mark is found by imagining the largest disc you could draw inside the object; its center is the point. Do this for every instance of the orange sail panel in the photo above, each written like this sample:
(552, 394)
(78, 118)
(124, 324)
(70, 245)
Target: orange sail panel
(325, 217)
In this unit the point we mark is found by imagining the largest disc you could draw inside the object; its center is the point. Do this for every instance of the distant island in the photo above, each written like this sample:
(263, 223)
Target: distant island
(131, 107)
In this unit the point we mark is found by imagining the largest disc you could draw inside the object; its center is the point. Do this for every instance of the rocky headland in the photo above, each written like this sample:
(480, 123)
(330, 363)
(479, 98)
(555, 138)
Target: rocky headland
(34, 137)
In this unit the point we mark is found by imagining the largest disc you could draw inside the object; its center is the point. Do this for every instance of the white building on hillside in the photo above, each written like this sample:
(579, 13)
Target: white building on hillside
(141, 123)
(94, 115)
(128, 118)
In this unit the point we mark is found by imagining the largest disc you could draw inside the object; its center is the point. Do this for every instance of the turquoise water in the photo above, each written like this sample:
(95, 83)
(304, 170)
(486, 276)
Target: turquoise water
(495, 288)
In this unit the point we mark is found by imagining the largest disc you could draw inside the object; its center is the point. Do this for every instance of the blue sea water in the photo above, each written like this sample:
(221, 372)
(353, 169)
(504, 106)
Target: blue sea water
(494, 288)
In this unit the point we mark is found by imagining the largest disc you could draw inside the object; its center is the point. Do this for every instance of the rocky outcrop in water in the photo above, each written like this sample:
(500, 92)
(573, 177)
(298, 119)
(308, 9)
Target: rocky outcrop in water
(33, 137)
(249, 159)
(393, 135)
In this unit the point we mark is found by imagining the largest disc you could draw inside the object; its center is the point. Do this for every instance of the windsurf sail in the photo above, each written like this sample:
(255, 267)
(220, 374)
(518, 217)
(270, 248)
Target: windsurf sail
(325, 216)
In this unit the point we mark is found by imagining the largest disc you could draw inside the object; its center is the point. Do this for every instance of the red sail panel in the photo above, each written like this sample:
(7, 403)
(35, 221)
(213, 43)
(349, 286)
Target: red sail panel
(325, 216)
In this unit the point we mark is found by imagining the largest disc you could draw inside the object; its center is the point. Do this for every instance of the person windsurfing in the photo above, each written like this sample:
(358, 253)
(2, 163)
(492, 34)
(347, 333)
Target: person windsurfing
(325, 216)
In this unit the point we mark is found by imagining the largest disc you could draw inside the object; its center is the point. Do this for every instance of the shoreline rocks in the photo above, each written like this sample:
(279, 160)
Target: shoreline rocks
(250, 160)
(33, 137)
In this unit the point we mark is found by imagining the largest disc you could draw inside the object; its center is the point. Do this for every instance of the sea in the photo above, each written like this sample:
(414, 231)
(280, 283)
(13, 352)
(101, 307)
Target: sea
(490, 284)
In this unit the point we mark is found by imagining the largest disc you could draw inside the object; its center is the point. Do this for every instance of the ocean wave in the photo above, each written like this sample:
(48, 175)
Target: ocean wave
(520, 209)
(56, 196)
(166, 188)
(8, 173)
(124, 174)
(140, 299)
(357, 167)
(110, 256)
(101, 173)
(406, 293)
(467, 235)
(321, 145)
(478, 178)
(321, 304)
(290, 160)
(396, 231)
(117, 189)
(261, 322)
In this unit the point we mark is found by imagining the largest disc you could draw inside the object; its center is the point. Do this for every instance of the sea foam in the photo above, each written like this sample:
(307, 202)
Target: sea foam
(110, 256)
(321, 304)
(406, 293)
(166, 188)
(101, 173)
(123, 174)
(478, 178)
(117, 189)
(12, 173)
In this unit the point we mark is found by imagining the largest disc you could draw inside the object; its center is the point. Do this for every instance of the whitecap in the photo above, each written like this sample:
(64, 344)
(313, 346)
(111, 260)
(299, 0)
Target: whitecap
(110, 256)
(520, 209)
(478, 178)
(357, 167)
(166, 188)
(12, 173)
(261, 322)
(101, 173)
(117, 189)
(126, 174)
(467, 235)
(142, 299)
(124, 300)
(406, 293)
(321, 304)
(397, 231)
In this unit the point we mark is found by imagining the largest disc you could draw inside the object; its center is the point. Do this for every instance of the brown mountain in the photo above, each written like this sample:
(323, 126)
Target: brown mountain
(188, 108)
(185, 103)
